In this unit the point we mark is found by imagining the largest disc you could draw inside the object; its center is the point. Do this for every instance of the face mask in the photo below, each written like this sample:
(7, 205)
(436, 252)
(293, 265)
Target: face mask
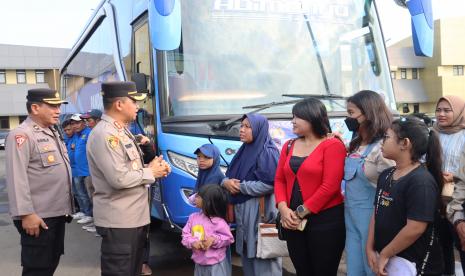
(352, 124)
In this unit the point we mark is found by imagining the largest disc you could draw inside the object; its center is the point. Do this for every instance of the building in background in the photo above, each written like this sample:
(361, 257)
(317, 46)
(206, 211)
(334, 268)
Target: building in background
(23, 68)
(418, 81)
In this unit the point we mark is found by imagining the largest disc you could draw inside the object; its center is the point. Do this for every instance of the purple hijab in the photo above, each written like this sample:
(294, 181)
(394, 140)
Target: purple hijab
(256, 161)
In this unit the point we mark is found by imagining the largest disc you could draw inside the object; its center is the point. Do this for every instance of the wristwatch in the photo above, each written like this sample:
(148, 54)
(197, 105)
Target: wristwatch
(302, 211)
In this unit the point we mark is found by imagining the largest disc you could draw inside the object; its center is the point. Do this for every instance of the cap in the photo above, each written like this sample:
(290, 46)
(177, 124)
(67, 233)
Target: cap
(76, 117)
(207, 150)
(45, 95)
(93, 113)
(115, 89)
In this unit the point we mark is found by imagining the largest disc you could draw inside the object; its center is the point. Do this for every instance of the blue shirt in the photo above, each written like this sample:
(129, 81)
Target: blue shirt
(80, 157)
(70, 146)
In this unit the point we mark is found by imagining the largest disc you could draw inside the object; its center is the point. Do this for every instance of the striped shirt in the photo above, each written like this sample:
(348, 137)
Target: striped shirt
(453, 147)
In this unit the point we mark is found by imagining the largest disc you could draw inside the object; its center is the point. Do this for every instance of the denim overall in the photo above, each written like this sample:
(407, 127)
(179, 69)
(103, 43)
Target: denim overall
(359, 200)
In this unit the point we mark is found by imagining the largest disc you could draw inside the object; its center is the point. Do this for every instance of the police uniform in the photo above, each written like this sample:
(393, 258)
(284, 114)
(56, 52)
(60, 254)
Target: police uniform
(38, 177)
(121, 212)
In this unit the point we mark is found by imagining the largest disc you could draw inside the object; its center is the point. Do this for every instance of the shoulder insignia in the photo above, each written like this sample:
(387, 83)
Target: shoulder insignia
(20, 139)
(113, 141)
(36, 127)
(83, 136)
(118, 125)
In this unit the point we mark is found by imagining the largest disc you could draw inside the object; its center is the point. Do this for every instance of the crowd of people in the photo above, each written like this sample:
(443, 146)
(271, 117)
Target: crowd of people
(393, 198)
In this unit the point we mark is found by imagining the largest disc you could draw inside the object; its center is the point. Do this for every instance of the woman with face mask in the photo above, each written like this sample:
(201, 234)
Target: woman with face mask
(450, 124)
(368, 118)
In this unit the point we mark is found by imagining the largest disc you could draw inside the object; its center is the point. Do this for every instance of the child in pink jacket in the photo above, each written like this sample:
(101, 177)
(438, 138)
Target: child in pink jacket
(208, 234)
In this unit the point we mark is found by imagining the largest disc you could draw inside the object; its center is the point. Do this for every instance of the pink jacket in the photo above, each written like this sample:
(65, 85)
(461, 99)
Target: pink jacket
(199, 227)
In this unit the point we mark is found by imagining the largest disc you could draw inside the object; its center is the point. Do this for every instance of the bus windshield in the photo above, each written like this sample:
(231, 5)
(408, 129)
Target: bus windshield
(250, 52)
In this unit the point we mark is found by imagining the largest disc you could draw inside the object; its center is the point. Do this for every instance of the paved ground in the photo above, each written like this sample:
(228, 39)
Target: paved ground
(82, 258)
(82, 255)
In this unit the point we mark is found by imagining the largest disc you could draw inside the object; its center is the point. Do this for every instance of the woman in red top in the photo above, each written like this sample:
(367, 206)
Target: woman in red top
(308, 187)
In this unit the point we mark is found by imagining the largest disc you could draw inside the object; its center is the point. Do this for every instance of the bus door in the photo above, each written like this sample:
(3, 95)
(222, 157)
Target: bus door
(145, 123)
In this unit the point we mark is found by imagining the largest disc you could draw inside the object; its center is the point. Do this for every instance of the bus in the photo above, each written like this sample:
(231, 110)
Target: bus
(205, 63)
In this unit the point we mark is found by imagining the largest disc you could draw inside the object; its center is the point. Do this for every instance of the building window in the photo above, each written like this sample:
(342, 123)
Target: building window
(40, 76)
(20, 76)
(403, 73)
(22, 118)
(2, 76)
(405, 108)
(393, 75)
(4, 122)
(416, 108)
(458, 70)
(414, 73)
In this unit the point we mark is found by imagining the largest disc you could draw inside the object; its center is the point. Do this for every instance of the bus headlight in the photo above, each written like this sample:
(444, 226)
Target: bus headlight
(184, 163)
(187, 164)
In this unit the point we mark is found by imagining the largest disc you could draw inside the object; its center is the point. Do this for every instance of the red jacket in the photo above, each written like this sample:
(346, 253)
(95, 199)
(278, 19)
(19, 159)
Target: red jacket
(319, 176)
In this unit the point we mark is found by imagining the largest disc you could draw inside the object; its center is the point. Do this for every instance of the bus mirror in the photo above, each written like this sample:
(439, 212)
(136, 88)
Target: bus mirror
(165, 24)
(421, 13)
(140, 79)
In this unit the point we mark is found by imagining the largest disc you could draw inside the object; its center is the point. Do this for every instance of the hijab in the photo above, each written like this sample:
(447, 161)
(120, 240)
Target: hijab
(212, 175)
(255, 161)
(458, 108)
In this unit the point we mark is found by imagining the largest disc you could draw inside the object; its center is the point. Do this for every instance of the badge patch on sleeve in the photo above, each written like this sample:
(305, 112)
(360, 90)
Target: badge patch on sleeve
(113, 141)
(20, 139)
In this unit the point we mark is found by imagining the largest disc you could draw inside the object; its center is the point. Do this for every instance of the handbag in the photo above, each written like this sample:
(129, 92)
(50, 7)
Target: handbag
(268, 243)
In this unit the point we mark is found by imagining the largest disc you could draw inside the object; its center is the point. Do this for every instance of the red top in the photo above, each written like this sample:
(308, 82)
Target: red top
(319, 176)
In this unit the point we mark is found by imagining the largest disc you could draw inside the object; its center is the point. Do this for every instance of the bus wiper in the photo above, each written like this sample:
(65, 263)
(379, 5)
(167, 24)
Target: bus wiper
(318, 56)
(257, 108)
(330, 97)
(225, 124)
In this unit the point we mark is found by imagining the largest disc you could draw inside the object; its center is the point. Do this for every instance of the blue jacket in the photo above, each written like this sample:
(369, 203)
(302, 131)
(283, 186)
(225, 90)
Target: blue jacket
(80, 157)
(70, 146)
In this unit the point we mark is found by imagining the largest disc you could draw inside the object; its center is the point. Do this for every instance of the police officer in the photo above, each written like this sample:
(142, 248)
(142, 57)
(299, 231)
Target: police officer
(38, 178)
(121, 210)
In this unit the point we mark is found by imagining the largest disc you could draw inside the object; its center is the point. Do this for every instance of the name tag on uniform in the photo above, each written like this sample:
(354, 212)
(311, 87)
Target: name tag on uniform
(128, 146)
(42, 140)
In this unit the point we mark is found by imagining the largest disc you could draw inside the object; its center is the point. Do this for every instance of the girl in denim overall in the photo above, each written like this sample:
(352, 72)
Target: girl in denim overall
(369, 118)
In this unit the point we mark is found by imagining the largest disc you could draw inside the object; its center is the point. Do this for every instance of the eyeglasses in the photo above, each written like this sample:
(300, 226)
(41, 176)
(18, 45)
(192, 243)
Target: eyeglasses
(445, 110)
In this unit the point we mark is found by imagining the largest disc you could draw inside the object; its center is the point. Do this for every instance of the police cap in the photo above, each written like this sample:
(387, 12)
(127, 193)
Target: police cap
(128, 89)
(44, 95)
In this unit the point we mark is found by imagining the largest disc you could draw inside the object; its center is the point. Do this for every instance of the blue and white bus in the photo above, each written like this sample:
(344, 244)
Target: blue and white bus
(205, 63)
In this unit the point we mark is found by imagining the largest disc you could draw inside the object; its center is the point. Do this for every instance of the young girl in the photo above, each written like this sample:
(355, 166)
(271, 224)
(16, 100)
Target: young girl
(369, 118)
(208, 234)
(408, 201)
(208, 160)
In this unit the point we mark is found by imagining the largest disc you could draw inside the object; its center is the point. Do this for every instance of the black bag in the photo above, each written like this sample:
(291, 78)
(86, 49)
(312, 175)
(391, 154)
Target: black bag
(279, 226)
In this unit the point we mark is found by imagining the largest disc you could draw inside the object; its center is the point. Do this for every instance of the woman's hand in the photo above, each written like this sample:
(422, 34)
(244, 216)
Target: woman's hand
(382, 262)
(232, 185)
(448, 177)
(372, 260)
(289, 219)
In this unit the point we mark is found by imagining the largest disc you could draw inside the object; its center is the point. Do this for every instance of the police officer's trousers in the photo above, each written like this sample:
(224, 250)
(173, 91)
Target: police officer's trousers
(122, 250)
(40, 256)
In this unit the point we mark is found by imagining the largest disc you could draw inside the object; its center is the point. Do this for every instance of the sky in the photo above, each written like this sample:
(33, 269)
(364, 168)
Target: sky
(58, 23)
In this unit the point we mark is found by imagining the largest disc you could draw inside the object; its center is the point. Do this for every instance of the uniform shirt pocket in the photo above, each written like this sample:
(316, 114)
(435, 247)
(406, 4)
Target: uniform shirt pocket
(131, 151)
(49, 156)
